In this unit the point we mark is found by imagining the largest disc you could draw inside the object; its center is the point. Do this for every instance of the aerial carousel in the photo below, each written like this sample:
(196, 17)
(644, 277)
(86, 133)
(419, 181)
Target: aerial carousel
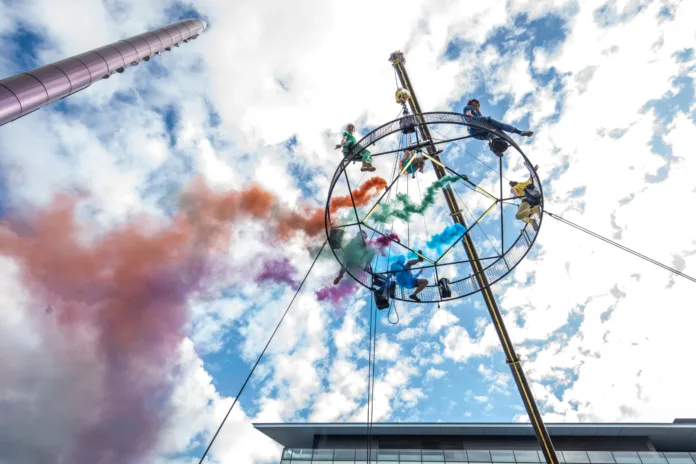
(446, 223)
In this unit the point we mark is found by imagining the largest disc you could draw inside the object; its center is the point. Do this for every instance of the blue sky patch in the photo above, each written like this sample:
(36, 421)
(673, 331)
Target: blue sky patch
(684, 56)
(22, 47)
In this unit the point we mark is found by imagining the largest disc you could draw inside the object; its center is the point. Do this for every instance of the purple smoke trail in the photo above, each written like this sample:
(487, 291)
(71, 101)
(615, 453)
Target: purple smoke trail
(335, 293)
(279, 271)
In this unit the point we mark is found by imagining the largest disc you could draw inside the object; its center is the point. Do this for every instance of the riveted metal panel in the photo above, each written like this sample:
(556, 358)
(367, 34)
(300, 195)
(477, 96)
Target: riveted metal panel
(141, 46)
(54, 80)
(153, 41)
(9, 105)
(164, 38)
(77, 73)
(183, 30)
(113, 58)
(174, 32)
(128, 52)
(194, 26)
(189, 27)
(28, 90)
(95, 64)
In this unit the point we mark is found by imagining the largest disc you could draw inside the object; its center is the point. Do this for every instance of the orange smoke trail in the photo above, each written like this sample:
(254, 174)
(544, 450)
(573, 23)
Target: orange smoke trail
(209, 210)
(361, 195)
(128, 289)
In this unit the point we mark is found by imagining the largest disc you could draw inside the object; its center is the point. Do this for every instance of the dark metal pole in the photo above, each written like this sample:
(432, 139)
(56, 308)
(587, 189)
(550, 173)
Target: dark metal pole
(512, 358)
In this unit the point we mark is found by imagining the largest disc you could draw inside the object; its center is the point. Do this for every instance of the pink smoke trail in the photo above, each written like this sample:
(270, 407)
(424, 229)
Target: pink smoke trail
(278, 271)
(335, 293)
(383, 242)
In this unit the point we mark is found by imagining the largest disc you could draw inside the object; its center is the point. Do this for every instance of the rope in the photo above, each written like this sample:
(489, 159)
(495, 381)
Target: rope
(425, 223)
(611, 242)
(262, 353)
(408, 223)
(371, 377)
(474, 220)
(476, 158)
(393, 303)
(374, 363)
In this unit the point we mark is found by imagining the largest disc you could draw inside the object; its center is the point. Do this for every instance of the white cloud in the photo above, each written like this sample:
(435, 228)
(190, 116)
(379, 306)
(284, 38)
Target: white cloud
(460, 347)
(433, 373)
(387, 350)
(441, 318)
(234, 69)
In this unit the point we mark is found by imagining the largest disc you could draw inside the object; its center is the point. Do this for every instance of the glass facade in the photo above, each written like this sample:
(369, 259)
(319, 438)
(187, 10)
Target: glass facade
(359, 456)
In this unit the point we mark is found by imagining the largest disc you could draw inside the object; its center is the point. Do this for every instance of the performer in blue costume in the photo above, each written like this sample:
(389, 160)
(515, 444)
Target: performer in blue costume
(405, 278)
(473, 110)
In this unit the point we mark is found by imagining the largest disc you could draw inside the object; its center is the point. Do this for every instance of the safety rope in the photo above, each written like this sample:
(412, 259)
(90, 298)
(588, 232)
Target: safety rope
(420, 195)
(393, 303)
(475, 157)
(476, 224)
(408, 223)
(372, 353)
(262, 353)
(618, 245)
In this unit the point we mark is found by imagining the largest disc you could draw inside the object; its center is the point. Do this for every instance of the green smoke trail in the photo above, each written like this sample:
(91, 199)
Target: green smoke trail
(402, 208)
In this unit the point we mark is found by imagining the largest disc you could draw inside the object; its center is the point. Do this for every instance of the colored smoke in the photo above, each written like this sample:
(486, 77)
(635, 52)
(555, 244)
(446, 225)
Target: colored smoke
(336, 293)
(443, 240)
(383, 241)
(278, 271)
(402, 207)
(361, 196)
(123, 296)
(210, 211)
(357, 254)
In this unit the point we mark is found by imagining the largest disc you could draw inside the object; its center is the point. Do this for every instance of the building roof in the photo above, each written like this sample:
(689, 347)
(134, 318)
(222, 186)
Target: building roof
(677, 435)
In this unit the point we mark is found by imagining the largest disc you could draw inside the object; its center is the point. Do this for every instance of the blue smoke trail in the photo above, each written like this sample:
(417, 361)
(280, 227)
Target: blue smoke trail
(440, 242)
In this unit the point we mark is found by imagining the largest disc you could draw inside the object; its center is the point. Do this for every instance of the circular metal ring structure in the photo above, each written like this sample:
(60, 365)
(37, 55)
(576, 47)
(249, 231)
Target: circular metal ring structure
(463, 280)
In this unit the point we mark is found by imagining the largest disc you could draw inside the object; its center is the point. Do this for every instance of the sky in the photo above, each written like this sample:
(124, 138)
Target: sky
(137, 217)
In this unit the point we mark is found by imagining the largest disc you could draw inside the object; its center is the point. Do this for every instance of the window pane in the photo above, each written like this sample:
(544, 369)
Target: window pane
(314, 461)
(361, 455)
(295, 461)
(433, 456)
(502, 456)
(344, 455)
(455, 455)
(652, 458)
(678, 458)
(626, 457)
(601, 457)
(323, 455)
(576, 457)
(526, 456)
(388, 455)
(479, 455)
(559, 455)
(287, 453)
(285, 461)
(410, 455)
(299, 454)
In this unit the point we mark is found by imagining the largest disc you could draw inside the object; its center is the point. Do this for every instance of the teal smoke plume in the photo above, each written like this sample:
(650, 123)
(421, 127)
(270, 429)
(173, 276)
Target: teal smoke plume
(402, 207)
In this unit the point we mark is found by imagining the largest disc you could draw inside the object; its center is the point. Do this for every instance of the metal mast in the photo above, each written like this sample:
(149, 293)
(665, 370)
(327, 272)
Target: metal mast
(512, 358)
(29, 91)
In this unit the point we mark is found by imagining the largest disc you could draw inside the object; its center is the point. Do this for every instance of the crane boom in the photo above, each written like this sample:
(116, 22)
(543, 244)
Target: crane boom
(512, 358)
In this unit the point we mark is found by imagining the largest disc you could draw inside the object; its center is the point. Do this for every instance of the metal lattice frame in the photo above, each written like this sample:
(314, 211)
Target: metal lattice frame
(494, 271)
